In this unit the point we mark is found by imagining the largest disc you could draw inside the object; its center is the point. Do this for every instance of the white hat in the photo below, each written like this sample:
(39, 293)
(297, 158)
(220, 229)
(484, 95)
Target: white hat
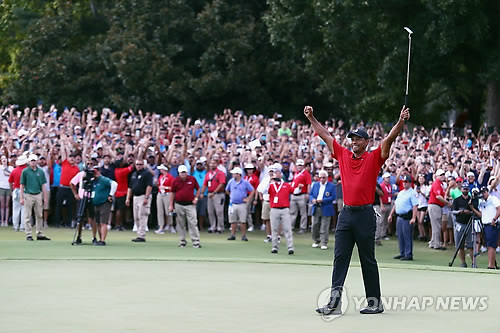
(162, 167)
(439, 172)
(197, 122)
(32, 157)
(277, 167)
(323, 173)
(249, 166)
(386, 174)
(328, 165)
(22, 160)
(471, 174)
(182, 168)
(237, 170)
(299, 162)
(202, 159)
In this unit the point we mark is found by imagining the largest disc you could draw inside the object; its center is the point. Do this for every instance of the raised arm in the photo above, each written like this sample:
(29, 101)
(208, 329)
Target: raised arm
(318, 128)
(393, 134)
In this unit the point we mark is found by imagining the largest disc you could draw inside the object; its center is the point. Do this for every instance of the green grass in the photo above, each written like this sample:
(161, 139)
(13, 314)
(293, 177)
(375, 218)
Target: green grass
(223, 287)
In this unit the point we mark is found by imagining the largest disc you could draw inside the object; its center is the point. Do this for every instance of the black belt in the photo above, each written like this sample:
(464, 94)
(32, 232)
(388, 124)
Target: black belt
(406, 216)
(215, 192)
(34, 193)
(357, 207)
(184, 203)
(299, 194)
(279, 207)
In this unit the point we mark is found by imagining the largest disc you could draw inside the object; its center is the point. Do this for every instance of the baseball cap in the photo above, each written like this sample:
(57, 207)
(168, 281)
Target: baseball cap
(471, 174)
(277, 167)
(485, 189)
(300, 162)
(249, 166)
(182, 168)
(465, 185)
(328, 165)
(162, 167)
(439, 172)
(33, 157)
(406, 178)
(459, 179)
(237, 170)
(386, 174)
(360, 132)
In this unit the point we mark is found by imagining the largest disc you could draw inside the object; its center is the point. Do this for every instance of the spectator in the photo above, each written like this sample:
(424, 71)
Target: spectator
(298, 204)
(252, 177)
(15, 183)
(199, 174)
(463, 214)
(385, 208)
(140, 188)
(322, 198)
(5, 193)
(240, 193)
(214, 183)
(165, 220)
(185, 194)
(436, 203)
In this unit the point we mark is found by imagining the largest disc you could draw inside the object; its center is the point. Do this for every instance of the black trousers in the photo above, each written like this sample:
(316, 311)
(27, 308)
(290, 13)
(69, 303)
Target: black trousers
(64, 195)
(356, 227)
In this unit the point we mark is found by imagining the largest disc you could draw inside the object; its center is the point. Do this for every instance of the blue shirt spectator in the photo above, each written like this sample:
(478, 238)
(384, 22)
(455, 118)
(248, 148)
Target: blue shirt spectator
(238, 190)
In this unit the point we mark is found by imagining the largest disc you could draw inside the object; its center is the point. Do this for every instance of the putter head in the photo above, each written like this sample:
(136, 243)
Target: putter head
(409, 31)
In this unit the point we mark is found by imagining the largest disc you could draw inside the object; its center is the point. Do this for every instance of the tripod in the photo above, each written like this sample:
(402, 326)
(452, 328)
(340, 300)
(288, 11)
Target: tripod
(470, 226)
(82, 206)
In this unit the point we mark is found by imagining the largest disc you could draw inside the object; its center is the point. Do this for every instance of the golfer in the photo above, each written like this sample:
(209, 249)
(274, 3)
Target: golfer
(357, 222)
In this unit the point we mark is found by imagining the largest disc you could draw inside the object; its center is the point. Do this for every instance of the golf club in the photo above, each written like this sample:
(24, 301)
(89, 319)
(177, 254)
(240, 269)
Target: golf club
(408, 70)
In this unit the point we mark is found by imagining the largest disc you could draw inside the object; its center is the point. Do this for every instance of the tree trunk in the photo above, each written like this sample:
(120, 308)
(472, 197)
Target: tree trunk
(493, 104)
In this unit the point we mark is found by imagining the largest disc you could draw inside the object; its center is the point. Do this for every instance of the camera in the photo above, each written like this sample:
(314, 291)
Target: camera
(88, 179)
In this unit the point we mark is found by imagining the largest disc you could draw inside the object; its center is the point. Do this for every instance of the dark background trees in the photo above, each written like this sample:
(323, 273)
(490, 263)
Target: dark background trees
(348, 58)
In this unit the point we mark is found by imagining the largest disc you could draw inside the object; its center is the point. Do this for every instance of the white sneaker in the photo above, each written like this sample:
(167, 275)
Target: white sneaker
(172, 230)
(324, 247)
(147, 229)
(109, 226)
(134, 229)
(268, 239)
(250, 229)
(483, 249)
(262, 227)
(498, 249)
(279, 239)
(159, 232)
(315, 245)
(387, 238)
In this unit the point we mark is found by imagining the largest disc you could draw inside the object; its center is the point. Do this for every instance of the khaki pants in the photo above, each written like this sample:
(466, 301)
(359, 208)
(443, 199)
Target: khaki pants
(187, 219)
(383, 221)
(141, 214)
(281, 217)
(216, 211)
(162, 204)
(33, 202)
(435, 214)
(320, 227)
(249, 214)
(298, 205)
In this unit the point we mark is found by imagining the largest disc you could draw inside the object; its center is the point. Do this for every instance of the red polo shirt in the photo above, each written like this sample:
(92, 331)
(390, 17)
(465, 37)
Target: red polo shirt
(15, 176)
(213, 179)
(436, 189)
(68, 171)
(279, 194)
(184, 190)
(121, 176)
(304, 178)
(165, 180)
(387, 189)
(253, 180)
(359, 175)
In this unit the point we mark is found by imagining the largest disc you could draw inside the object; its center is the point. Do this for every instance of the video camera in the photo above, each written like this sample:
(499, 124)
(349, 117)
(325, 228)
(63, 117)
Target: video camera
(88, 180)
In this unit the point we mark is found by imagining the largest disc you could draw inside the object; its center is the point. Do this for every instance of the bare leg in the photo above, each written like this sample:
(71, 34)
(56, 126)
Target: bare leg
(491, 257)
(243, 228)
(444, 229)
(233, 229)
(3, 215)
(104, 231)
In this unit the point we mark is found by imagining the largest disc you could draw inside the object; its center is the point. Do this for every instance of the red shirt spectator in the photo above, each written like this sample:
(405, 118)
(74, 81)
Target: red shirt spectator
(303, 177)
(360, 174)
(68, 171)
(253, 179)
(387, 196)
(184, 190)
(15, 176)
(213, 179)
(121, 176)
(279, 194)
(436, 189)
(165, 180)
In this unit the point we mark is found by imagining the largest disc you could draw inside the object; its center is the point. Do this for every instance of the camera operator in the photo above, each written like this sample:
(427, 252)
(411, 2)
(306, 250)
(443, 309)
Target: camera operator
(489, 212)
(463, 214)
(83, 180)
(103, 190)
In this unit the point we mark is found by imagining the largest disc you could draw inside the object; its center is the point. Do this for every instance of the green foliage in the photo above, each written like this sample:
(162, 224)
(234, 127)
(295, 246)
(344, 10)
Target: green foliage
(348, 58)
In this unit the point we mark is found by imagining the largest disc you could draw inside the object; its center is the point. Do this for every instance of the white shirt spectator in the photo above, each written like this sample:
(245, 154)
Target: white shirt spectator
(4, 177)
(488, 209)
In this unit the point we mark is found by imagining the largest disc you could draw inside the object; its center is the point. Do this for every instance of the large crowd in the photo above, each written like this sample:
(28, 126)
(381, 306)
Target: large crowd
(162, 152)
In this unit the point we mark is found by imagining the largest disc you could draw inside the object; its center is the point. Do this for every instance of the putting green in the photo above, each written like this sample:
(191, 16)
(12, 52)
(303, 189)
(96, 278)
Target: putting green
(223, 287)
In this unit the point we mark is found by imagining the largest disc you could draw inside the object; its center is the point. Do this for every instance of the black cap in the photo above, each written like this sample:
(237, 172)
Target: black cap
(361, 132)
(465, 185)
(485, 189)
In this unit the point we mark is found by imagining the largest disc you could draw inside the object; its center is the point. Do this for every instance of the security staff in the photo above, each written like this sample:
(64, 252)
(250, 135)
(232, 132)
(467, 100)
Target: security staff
(32, 186)
(322, 198)
(356, 225)
(405, 207)
(140, 187)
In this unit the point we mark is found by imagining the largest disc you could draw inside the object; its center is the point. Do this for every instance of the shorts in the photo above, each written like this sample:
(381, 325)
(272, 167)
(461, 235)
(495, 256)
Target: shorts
(201, 207)
(89, 209)
(4, 192)
(238, 213)
(120, 203)
(491, 234)
(459, 231)
(449, 220)
(422, 209)
(266, 209)
(102, 212)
